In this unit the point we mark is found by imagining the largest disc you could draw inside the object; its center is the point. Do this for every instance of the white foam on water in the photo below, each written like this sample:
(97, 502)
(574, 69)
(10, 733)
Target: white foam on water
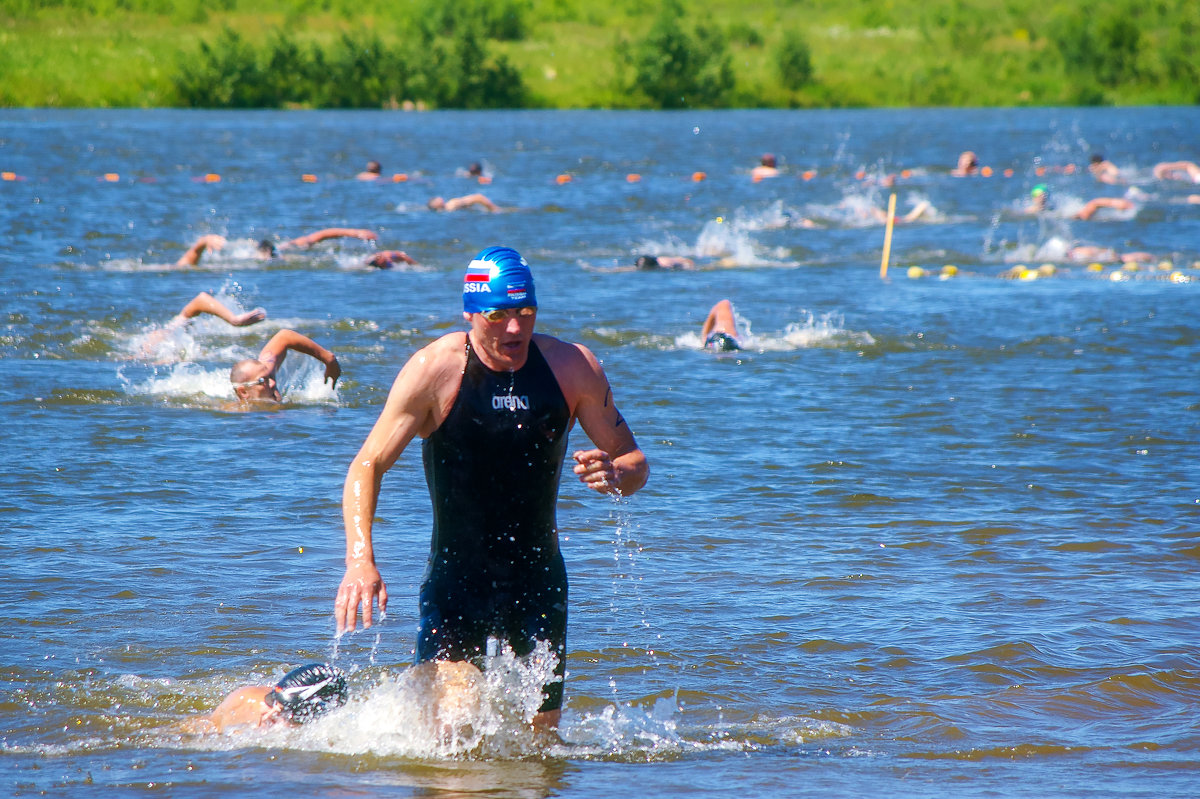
(810, 331)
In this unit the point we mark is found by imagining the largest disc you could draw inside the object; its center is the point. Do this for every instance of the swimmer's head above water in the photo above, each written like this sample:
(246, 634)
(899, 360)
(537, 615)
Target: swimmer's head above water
(265, 250)
(722, 342)
(252, 381)
(309, 692)
(498, 278)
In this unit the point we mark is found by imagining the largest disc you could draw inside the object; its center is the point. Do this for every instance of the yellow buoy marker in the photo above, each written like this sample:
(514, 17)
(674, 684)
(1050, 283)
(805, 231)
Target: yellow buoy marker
(887, 237)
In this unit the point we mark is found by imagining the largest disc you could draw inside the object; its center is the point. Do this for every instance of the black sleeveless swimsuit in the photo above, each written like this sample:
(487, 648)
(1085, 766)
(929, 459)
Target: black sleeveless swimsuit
(495, 570)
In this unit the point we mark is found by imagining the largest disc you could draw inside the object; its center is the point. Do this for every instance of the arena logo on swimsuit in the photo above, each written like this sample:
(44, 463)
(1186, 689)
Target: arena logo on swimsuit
(509, 402)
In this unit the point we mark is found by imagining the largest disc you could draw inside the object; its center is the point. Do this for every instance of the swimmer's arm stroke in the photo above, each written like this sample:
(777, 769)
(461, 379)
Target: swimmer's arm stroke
(276, 349)
(332, 233)
(408, 412)
(617, 465)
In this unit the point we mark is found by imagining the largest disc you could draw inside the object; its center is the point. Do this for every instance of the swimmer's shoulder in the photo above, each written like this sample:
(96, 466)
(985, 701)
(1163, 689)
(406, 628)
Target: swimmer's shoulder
(575, 367)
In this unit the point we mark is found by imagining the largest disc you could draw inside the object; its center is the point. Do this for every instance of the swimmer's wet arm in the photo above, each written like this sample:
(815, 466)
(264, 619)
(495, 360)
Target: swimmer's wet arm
(617, 461)
(276, 349)
(406, 413)
(192, 256)
(333, 233)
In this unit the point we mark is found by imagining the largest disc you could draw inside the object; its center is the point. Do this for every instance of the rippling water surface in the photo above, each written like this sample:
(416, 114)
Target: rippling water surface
(925, 536)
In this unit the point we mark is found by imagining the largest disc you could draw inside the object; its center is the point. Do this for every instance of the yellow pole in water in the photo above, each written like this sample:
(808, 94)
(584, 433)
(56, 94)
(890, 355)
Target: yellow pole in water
(887, 236)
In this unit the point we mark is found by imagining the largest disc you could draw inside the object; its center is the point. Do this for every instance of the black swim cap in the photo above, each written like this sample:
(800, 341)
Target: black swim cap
(309, 691)
(647, 262)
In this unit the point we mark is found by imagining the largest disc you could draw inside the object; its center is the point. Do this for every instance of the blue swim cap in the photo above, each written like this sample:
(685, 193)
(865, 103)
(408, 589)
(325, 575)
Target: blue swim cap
(497, 278)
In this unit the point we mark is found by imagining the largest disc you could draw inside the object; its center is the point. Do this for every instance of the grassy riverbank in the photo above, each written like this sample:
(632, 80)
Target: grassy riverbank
(569, 54)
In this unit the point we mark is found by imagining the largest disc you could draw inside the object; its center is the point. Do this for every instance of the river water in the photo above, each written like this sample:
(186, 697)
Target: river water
(923, 536)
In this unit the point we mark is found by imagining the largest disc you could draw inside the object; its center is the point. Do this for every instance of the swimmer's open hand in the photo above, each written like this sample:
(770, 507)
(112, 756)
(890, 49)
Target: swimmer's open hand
(596, 471)
(361, 585)
(250, 317)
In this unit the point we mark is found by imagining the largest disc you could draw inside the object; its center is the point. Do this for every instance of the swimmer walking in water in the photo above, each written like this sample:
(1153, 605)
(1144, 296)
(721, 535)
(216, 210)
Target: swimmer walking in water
(494, 405)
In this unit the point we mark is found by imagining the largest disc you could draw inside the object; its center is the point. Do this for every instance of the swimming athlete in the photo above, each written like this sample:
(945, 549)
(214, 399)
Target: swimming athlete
(494, 405)
(720, 328)
(466, 201)
(664, 262)
(253, 379)
(267, 249)
(202, 303)
(302, 695)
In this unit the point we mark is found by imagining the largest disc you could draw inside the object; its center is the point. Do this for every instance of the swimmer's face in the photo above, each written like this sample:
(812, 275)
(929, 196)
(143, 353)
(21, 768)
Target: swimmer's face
(502, 342)
(260, 388)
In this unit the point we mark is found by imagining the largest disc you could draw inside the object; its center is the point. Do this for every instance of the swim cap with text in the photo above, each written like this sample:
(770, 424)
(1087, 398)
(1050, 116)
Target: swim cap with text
(498, 277)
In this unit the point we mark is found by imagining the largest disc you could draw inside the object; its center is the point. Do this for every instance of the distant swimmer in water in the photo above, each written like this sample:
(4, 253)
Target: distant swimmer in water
(253, 379)
(304, 694)
(210, 242)
(202, 303)
(766, 168)
(1177, 170)
(968, 164)
(664, 262)
(918, 210)
(373, 171)
(1104, 170)
(268, 249)
(1088, 253)
(1040, 202)
(205, 303)
(389, 258)
(1092, 206)
(720, 329)
(466, 201)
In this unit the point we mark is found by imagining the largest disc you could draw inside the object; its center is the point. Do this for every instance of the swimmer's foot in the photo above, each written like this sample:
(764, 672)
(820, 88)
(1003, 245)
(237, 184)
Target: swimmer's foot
(250, 317)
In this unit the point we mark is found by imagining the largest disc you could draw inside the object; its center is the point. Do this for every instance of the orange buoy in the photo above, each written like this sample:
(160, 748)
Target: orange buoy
(698, 176)
(563, 178)
(309, 178)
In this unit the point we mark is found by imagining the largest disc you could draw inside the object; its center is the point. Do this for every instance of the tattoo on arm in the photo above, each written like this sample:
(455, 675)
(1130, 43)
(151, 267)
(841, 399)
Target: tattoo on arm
(620, 420)
(607, 395)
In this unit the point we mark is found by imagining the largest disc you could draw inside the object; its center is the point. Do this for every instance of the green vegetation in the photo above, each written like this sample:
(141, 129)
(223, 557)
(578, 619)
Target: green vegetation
(573, 54)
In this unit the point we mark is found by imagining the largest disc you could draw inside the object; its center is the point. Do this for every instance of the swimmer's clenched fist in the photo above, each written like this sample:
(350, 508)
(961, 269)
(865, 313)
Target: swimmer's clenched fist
(596, 471)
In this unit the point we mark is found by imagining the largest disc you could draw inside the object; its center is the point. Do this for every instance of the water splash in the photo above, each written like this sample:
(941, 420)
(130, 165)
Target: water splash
(826, 330)
(626, 588)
